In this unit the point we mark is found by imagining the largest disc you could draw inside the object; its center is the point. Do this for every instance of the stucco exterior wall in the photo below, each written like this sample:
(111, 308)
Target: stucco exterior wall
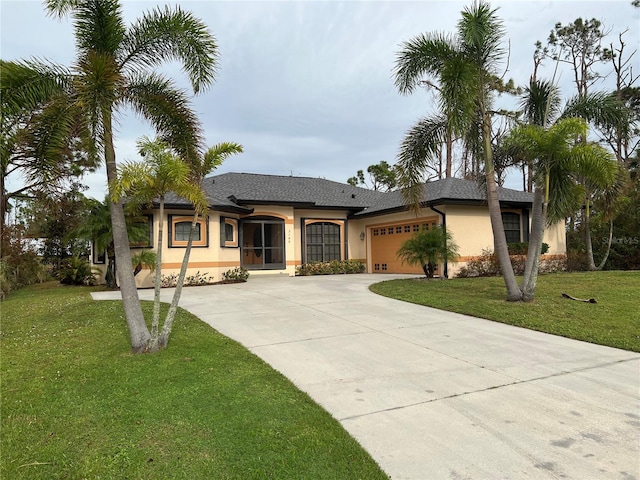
(556, 237)
(210, 261)
(469, 225)
(471, 229)
(356, 245)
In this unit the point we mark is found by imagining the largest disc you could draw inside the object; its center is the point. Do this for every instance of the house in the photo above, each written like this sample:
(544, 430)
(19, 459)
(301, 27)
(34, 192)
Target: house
(271, 224)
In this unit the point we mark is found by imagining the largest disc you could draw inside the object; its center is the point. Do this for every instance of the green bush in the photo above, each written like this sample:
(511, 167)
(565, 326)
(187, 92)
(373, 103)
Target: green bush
(171, 280)
(198, 279)
(486, 265)
(76, 271)
(20, 264)
(333, 267)
(522, 248)
(235, 275)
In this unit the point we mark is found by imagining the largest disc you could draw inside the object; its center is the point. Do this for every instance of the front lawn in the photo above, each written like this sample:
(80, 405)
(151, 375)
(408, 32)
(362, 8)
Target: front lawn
(613, 321)
(76, 404)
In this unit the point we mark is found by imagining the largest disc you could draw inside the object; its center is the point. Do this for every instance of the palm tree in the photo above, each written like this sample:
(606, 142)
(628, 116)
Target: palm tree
(144, 182)
(115, 68)
(428, 247)
(144, 258)
(48, 155)
(161, 172)
(98, 228)
(557, 166)
(199, 169)
(465, 67)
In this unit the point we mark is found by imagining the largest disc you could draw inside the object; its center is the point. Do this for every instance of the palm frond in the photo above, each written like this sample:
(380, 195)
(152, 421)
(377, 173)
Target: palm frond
(57, 144)
(168, 108)
(97, 225)
(565, 196)
(172, 35)
(158, 174)
(594, 165)
(29, 84)
(99, 26)
(418, 150)
(600, 108)
(540, 102)
(133, 181)
(429, 246)
(214, 157)
(421, 56)
(60, 8)
(481, 33)
(458, 93)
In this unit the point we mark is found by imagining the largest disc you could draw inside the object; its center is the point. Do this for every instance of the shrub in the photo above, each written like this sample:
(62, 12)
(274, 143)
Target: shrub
(76, 271)
(427, 247)
(198, 279)
(577, 262)
(235, 275)
(20, 264)
(171, 280)
(331, 268)
(168, 281)
(521, 248)
(486, 265)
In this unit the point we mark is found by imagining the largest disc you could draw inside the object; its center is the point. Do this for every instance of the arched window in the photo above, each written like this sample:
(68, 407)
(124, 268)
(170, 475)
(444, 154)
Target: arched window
(322, 242)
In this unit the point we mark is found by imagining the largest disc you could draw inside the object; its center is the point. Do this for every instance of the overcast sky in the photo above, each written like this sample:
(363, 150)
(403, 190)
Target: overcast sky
(306, 87)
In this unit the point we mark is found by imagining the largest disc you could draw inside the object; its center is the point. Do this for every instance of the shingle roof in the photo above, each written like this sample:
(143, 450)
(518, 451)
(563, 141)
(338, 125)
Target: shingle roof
(448, 191)
(249, 188)
(234, 191)
(216, 201)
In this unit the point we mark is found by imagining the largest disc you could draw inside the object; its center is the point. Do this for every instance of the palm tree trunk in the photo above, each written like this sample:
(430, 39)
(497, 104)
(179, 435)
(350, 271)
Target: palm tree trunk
(606, 254)
(500, 246)
(138, 332)
(538, 220)
(3, 208)
(158, 275)
(110, 275)
(449, 141)
(587, 237)
(171, 314)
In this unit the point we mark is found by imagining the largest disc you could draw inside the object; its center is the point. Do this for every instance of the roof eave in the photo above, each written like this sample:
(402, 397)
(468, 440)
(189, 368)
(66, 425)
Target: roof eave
(442, 201)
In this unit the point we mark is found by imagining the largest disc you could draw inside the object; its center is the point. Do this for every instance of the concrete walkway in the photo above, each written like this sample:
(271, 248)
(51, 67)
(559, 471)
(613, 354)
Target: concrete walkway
(433, 394)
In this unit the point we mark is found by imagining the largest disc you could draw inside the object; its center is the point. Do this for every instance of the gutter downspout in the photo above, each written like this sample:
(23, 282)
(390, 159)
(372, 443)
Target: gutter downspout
(444, 228)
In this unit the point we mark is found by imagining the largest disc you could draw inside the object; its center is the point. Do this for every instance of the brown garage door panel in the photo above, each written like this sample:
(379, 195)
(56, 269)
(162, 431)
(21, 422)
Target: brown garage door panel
(386, 240)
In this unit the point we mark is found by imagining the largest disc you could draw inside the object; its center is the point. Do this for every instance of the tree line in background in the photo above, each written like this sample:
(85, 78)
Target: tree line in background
(56, 124)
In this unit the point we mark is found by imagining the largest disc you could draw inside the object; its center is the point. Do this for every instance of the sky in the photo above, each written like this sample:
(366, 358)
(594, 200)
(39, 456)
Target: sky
(307, 87)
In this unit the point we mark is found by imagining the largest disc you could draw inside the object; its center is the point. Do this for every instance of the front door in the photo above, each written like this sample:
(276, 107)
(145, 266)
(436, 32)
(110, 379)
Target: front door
(262, 244)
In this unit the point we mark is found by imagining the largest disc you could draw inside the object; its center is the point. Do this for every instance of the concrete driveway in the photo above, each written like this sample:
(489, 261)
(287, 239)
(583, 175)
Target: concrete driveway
(433, 394)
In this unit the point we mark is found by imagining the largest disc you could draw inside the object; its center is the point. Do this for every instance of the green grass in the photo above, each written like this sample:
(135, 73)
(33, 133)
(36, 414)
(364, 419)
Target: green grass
(76, 404)
(613, 321)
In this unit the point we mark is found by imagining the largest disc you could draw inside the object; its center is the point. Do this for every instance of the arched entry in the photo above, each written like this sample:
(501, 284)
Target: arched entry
(262, 243)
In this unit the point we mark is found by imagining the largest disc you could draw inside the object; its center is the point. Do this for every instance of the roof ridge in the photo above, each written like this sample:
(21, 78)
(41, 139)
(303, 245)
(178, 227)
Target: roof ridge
(274, 175)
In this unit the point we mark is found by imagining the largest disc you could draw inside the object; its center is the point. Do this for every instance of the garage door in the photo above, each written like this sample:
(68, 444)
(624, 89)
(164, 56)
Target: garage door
(387, 239)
